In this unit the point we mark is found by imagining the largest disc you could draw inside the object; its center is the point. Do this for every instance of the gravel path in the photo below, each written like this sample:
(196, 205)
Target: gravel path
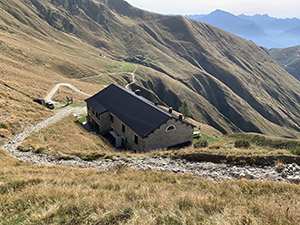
(12, 146)
(133, 78)
(57, 86)
(212, 171)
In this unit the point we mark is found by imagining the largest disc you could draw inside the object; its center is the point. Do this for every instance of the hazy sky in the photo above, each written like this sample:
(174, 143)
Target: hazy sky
(275, 8)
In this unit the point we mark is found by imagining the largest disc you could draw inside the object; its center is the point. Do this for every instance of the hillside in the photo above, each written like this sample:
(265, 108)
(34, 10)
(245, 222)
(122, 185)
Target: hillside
(288, 58)
(228, 82)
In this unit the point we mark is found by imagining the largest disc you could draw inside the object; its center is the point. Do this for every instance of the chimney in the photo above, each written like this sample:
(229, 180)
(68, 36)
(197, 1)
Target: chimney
(156, 103)
(180, 117)
(138, 92)
(170, 110)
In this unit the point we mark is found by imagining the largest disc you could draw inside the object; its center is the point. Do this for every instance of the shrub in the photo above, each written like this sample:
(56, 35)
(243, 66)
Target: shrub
(279, 166)
(242, 143)
(3, 126)
(296, 150)
(201, 144)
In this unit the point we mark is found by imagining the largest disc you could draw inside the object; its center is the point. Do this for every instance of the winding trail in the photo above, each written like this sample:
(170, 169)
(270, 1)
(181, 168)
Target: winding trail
(57, 86)
(211, 171)
(101, 74)
(133, 78)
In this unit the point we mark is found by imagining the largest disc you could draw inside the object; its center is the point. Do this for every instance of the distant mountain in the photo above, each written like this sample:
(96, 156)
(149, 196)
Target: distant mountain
(261, 19)
(264, 30)
(196, 17)
(224, 20)
(289, 59)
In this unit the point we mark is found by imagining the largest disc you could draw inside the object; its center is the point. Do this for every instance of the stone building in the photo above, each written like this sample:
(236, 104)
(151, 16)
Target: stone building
(136, 123)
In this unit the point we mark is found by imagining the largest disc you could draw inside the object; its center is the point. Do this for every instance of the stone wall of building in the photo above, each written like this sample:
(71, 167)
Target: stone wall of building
(103, 120)
(161, 138)
(128, 135)
(105, 123)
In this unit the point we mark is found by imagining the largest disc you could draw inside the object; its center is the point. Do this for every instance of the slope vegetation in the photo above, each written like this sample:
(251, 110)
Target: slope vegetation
(229, 83)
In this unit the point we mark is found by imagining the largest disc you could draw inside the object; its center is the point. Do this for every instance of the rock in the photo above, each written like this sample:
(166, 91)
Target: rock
(242, 175)
(249, 175)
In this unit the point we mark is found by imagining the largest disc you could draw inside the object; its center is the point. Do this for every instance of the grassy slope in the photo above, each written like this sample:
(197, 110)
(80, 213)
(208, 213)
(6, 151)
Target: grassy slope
(33, 194)
(289, 59)
(68, 139)
(32, 64)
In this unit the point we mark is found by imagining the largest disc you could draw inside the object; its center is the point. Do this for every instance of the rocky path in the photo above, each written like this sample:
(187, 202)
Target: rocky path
(212, 171)
(12, 146)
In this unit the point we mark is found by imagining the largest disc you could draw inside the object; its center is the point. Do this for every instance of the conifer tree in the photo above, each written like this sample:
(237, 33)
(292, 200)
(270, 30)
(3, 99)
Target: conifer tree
(184, 109)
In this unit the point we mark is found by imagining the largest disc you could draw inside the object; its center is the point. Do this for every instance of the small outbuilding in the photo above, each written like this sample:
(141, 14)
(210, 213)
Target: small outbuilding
(141, 124)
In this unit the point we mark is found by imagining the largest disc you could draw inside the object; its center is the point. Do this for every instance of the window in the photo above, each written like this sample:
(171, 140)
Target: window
(123, 128)
(136, 139)
(170, 128)
(112, 118)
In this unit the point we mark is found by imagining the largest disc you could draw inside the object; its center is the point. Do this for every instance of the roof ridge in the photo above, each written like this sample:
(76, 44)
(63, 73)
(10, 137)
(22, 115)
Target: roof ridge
(143, 99)
(147, 101)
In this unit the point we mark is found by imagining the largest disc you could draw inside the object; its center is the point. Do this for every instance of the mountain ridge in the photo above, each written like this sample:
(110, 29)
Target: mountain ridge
(266, 31)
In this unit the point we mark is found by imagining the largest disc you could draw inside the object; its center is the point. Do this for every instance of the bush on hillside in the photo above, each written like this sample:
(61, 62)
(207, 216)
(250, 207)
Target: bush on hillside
(201, 144)
(242, 143)
(296, 150)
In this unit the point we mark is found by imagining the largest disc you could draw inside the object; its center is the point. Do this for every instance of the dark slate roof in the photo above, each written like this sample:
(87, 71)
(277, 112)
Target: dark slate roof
(141, 115)
(96, 105)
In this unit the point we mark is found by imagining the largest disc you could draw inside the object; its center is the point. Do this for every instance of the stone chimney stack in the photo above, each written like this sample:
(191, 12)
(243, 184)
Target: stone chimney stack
(180, 117)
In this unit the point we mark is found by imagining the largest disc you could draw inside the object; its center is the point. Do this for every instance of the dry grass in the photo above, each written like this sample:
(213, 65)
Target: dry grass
(30, 68)
(17, 112)
(66, 138)
(232, 152)
(279, 166)
(32, 194)
(223, 148)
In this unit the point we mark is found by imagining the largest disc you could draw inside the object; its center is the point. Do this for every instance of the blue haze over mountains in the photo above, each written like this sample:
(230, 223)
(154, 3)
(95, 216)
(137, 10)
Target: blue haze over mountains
(266, 31)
